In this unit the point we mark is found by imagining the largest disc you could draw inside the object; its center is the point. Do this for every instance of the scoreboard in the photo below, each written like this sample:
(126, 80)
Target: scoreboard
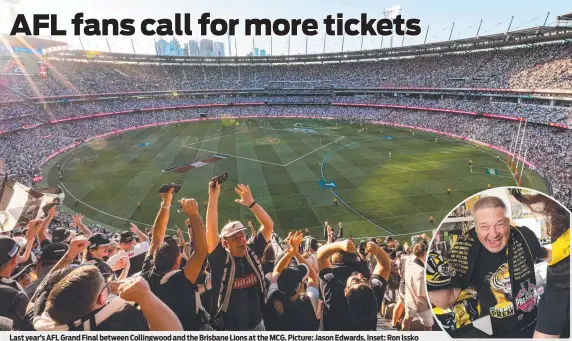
(20, 61)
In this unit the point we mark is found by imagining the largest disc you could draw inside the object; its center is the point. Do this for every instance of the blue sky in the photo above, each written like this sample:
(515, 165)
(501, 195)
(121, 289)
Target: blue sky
(438, 14)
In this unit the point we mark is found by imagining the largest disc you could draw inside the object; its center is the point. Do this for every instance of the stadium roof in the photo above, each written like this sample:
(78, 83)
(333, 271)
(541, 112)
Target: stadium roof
(30, 42)
(540, 34)
(565, 17)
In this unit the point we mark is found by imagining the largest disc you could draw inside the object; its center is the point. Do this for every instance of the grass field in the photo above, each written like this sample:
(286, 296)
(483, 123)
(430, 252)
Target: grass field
(283, 162)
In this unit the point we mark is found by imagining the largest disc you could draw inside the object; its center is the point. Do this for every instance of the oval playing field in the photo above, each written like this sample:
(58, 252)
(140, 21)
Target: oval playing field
(295, 169)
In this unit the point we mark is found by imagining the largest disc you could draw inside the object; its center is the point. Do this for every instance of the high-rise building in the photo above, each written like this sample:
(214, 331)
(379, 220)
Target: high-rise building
(256, 52)
(161, 47)
(172, 48)
(262, 53)
(207, 47)
(186, 50)
(194, 49)
(219, 49)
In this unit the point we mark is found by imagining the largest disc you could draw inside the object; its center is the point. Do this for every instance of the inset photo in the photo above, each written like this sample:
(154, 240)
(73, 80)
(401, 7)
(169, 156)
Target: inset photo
(499, 266)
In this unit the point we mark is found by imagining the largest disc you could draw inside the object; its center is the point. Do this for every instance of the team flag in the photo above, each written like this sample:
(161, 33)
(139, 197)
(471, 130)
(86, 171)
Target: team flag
(19, 204)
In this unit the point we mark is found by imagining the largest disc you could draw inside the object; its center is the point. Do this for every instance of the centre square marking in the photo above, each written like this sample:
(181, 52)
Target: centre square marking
(267, 139)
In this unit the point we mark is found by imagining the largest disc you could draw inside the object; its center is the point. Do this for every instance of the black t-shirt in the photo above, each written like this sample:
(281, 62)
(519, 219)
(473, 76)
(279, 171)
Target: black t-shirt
(13, 300)
(336, 315)
(491, 279)
(245, 305)
(558, 275)
(297, 315)
(344, 271)
(178, 293)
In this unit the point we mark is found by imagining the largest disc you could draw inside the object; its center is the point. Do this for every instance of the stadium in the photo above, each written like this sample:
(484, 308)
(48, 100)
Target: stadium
(375, 146)
(392, 148)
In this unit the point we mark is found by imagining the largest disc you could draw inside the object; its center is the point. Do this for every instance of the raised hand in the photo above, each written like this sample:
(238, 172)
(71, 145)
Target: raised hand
(167, 197)
(34, 227)
(52, 213)
(348, 246)
(190, 207)
(78, 220)
(77, 245)
(245, 194)
(214, 189)
(133, 228)
(134, 289)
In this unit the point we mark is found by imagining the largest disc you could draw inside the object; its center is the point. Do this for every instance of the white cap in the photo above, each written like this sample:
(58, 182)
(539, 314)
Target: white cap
(232, 228)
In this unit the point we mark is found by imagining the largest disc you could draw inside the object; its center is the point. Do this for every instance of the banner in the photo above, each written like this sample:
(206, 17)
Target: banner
(20, 204)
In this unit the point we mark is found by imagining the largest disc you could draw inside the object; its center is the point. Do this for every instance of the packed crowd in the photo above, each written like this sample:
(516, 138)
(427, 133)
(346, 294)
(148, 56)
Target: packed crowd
(537, 67)
(548, 148)
(236, 278)
(15, 116)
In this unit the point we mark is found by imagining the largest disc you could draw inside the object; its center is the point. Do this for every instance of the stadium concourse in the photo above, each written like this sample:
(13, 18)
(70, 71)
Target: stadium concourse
(35, 127)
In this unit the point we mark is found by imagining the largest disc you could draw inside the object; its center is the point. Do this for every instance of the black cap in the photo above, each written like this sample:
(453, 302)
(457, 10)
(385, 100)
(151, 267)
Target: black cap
(60, 235)
(53, 252)
(290, 279)
(22, 269)
(126, 237)
(8, 249)
(98, 239)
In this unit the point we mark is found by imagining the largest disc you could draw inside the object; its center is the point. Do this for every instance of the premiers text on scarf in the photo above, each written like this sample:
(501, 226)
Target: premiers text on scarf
(215, 337)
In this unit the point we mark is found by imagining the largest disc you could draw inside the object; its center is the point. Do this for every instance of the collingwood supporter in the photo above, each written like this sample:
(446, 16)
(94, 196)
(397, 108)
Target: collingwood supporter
(78, 300)
(178, 289)
(291, 303)
(98, 251)
(416, 304)
(238, 284)
(487, 263)
(12, 296)
(330, 235)
(48, 257)
(129, 247)
(351, 304)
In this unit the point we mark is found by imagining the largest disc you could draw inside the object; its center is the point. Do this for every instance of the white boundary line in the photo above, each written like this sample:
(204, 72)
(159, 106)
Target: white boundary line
(314, 151)
(96, 209)
(236, 156)
(298, 132)
(218, 137)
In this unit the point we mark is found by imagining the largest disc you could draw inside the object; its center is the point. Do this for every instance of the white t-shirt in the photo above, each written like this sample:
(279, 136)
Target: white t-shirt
(137, 250)
(415, 291)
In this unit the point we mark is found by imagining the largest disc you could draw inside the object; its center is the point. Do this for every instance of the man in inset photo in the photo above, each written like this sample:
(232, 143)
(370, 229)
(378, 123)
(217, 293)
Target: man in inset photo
(497, 260)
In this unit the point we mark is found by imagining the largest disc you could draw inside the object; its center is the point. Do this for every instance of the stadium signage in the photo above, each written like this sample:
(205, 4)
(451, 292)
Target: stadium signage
(491, 171)
(328, 184)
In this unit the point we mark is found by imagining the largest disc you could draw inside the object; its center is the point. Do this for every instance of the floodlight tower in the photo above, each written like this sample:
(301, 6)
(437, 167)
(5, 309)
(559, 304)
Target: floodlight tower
(391, 13)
